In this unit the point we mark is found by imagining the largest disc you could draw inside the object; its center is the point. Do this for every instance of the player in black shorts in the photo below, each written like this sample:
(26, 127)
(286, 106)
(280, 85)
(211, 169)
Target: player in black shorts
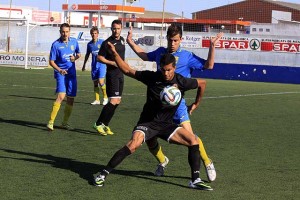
(114, 78)
(156, 119)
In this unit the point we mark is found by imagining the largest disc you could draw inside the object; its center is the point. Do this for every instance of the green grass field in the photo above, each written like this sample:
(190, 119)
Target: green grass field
(250, 130)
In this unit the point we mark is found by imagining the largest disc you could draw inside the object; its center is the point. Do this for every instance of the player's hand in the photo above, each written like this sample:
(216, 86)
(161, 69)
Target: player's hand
(216, 39)
(63, 71)
(129, 35)
(191, 108)
(111, 48)
(72, 58)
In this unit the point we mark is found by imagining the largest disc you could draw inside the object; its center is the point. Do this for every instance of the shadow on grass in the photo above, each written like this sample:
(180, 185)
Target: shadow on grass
(41, 126)
(84, 169)
(43, 98)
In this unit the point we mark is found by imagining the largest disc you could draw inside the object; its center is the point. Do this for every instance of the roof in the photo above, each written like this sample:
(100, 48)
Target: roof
(157, 14)
(295, 6)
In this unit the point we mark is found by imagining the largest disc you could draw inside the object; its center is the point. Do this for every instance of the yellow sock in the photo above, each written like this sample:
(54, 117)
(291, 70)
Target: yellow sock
(67, 113)
(158, 154)
(96, 90)
(203, 154)
(55, 109)
(103, 88)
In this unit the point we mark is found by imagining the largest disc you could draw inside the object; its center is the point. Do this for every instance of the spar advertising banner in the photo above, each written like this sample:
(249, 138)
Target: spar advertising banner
(256, 44)
(19, 59)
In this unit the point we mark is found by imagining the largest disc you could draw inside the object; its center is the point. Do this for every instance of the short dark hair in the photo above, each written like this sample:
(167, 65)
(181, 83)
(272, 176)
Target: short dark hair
(174, 30)
(116, 21)
(167, 59)
(94, 28)
(64, 25)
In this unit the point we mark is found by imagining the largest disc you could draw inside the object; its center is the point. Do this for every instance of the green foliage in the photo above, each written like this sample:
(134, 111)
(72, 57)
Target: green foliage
(250, 130)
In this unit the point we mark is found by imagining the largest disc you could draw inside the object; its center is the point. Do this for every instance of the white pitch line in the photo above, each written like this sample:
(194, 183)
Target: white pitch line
(213, 97)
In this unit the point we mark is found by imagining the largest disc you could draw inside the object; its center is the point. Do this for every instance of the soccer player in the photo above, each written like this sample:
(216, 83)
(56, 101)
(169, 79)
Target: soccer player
(186, 62)
(114, 78)
(98, 70)
(156, 119)
(64, 52)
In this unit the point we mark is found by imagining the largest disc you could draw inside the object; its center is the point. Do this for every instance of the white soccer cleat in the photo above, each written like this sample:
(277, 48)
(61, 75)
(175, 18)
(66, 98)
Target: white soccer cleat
(105, 101)
(211, 172)
(95, 102)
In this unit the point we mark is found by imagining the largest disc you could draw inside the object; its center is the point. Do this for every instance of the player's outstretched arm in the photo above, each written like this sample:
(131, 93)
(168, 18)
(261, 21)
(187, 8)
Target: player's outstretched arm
(209, 64)
(138, 50)
(199, 96)
(123, 66)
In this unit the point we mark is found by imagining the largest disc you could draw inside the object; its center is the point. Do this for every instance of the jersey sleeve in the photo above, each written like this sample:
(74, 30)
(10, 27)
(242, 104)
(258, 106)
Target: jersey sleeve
(186, 84)
(102, 51)
(144, 76)
(196, 62)
(53, 52)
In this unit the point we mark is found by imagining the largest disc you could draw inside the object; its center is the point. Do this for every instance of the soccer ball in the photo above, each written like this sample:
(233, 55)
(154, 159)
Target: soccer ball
(170, 95)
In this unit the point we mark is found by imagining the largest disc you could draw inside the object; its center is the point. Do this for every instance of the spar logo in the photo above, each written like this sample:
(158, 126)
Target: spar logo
(286, 47)
(254, 44)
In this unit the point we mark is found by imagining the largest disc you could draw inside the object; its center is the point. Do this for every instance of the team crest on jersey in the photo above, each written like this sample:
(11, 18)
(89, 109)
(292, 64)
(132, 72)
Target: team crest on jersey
(72, 47)
(122, 42)
(98, 46)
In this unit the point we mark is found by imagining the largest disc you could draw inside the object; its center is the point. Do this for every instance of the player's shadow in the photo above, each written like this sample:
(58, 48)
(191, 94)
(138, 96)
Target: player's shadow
(41, 126)
(43, 98)
(85, 170)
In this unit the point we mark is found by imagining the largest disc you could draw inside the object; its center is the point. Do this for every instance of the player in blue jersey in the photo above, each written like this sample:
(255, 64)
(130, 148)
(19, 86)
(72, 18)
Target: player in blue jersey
(98, 70)
(186, 62)
(64, 52)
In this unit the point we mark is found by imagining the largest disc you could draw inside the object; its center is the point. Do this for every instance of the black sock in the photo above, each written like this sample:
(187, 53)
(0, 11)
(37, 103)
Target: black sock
(194, 161)
(117, 158)
(107, 113)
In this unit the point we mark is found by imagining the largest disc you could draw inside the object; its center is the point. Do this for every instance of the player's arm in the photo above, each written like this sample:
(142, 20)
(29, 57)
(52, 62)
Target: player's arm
(123, 66)
(209, 64)
(199, 96)
(101, 56)
(138, 50)
(86, 57)
(57, 68)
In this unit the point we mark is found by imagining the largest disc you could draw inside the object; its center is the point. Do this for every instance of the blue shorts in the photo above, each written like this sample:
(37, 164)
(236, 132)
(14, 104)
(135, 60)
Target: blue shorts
(181, 114)
(66, 84)
(98, 72)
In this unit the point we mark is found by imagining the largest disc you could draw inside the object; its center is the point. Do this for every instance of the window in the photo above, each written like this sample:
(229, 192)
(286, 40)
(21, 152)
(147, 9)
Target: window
(261, 29)
(267, 30)
(254, 29)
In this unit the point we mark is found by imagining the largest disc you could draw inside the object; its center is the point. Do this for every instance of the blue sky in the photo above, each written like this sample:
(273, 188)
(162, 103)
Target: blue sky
(174, 6)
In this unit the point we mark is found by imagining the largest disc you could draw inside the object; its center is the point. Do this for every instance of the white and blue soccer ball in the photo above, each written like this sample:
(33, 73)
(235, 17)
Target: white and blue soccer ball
(170, 95)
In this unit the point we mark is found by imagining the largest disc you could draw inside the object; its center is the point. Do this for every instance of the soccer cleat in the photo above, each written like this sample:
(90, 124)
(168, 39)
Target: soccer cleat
(100, 129)
(105, 101)
(211, 172)
(66, 127)
(95, 103)
(50, 126)
(99, 180)
(199, 185)
(161, 167)
(108, 131)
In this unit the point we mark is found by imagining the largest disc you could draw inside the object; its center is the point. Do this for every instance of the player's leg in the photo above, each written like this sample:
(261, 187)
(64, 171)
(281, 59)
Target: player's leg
(186, 138)
(71, 87)
(101, 80)
(61, 93)
(182, 117)
(135, 142)
(157, 152)
(95, 74)
(114, 91)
